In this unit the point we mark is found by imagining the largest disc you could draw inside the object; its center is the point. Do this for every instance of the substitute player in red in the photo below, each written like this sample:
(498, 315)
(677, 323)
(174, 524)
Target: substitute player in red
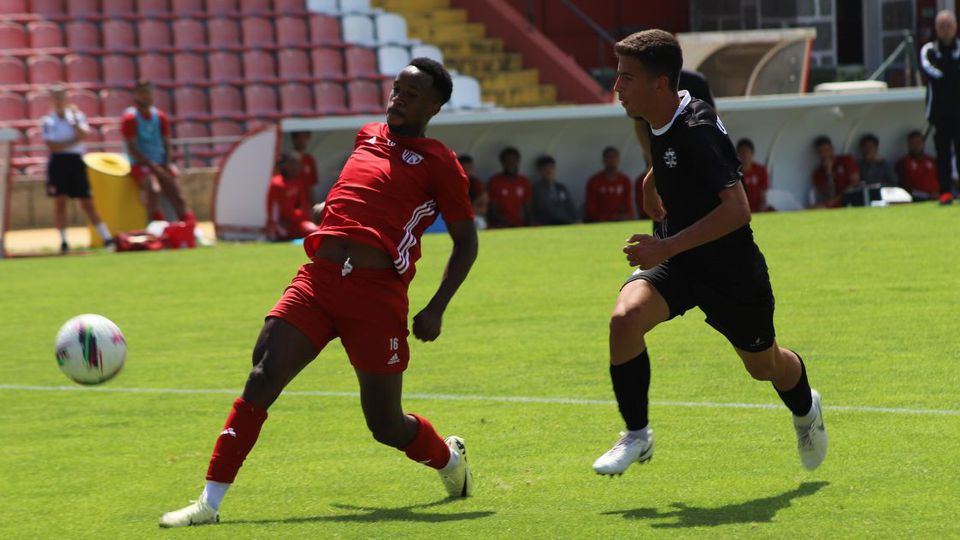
(287, 200)
(391, 189)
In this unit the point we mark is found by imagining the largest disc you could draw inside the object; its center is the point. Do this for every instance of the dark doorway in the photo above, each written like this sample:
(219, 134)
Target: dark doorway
(850, 32)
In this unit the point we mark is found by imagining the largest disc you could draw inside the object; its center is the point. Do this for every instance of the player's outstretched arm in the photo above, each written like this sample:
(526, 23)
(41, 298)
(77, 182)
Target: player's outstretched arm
(426, 324)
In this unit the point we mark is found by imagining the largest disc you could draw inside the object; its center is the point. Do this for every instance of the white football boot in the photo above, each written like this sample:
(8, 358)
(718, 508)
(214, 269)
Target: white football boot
(811, 436)
(197, 513)
(629, 449)
(459, 479)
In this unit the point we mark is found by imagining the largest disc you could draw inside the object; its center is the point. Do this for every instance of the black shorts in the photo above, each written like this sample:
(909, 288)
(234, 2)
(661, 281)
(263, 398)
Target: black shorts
(738, 304)
(67, 175)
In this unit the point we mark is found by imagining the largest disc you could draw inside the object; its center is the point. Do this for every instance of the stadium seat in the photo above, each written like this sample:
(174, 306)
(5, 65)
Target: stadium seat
(152, 8)
(364, 97)
(83, 69)
(189, 34)
(324, 30)
(361, 62)
(34, 136)
(257, 32)
(426, 51)
(289, 6)
(118, 37)
(259, 66)
(12, 107)
(79, 9)
(256, 6)
(293, 65)
(190, 130)
(327, 63)
(154, 35)
(44, 35)
(328, 7)
(47, 7)
(224, 67)
(355, 6)
(190, 102)
(87, 101)
(12, 71)
(391, 29)
(260, 100)
(82, 35)
(186, 7)
(113, 101)
(226, 101)
(392, 59)
(12, 7)
(296, 100)
(118, 9)
(13, 36)
(292, 32)
(189, 68)
(220, 7)
(358, 30)
(386, 89)
(92, 138)
(223, 33)
(118, 69)
(155, 68)
(38, 104)
(162, 100)
(466, 93)
(113, 133)
(225, 128)
(330, 98)
(45, 69)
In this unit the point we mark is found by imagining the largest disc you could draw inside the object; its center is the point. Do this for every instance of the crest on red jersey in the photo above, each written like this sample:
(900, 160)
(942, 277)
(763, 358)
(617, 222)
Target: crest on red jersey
(411, 157)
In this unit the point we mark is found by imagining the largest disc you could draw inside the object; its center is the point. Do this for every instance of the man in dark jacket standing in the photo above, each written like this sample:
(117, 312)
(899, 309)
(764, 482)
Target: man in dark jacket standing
(941, 63)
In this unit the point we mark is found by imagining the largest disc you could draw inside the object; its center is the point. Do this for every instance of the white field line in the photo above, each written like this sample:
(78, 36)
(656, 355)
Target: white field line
(468, 397)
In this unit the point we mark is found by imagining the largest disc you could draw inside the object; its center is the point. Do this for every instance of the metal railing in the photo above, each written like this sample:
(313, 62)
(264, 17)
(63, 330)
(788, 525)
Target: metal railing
(907, 48)
(604, 38)
(184, 144)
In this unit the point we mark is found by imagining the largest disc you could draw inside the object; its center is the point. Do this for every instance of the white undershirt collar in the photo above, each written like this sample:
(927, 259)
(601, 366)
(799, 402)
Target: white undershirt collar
(684, 101)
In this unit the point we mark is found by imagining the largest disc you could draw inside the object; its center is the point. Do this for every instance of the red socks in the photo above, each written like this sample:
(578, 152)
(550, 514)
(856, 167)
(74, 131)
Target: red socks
(236, 440)
(427, 447)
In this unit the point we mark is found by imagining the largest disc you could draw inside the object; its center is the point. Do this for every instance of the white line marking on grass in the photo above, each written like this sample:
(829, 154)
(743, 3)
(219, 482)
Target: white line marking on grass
(468, 397)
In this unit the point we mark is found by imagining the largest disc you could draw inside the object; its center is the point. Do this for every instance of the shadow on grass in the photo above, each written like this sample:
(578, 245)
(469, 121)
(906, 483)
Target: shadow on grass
(756, 511)
(367, 514)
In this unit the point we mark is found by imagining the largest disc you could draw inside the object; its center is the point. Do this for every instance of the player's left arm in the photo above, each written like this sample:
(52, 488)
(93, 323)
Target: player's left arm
(426, 324)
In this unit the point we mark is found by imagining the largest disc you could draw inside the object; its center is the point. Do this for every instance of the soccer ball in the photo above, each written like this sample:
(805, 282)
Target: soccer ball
(90, 349)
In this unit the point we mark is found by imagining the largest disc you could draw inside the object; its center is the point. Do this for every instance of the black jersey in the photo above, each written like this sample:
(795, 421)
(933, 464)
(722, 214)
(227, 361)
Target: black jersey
(693, 160)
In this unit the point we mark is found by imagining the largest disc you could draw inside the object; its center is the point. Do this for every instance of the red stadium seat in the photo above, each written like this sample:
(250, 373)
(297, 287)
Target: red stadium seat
(386, 88)
(45, 69)
(12, 107)
(12, 71)
(94, 137)
(189, 68)
(191, 130)
(324, 29)
(364, 97)
(87, 101)
(154, 68)
(83, 8)
(118, 9)
(257, 32)
(226, 101)
(294, 65)
(11, 7)
(113, 101)
(219, 7)
(289, 6)
(119, 37)
(224, 128)
(113, 133)
(361, 62)
(162, 100)
(154, 35)
(38, 103)
(186, 7)
(189, 34)
(13, 36)
(82, 35)
(329, 98)
(152, 8)
(190, 102)
(34, 137)
(292, 32)
(259, 66)
(260, 100)
(296, 99)
(256, 6)
(223, 33)
(224, 67)
(327, 63)
(117, 69)
(82, 69)
(47, 7)
(44, 35)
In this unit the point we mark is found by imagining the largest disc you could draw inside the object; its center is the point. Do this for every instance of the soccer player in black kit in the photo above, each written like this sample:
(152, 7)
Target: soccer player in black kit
(703, 255)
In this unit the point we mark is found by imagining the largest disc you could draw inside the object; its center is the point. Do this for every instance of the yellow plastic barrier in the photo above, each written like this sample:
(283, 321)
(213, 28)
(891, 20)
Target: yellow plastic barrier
(115, 194)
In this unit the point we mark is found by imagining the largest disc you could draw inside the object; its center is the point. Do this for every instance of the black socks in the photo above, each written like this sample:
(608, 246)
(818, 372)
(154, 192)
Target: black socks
(631, 383)
(798, 399)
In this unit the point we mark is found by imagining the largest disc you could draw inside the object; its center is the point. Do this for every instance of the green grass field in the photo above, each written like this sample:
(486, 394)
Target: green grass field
(869, 297)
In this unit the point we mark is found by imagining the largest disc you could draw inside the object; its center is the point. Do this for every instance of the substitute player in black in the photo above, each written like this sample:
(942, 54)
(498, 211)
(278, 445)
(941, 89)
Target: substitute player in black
(703, 256)
(940, 60)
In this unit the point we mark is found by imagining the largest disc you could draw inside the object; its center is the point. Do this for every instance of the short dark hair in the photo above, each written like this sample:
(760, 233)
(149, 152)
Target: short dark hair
(143, 84)
(914, 133)
(745, 142)
(821, 140)
(508, 151)
(284, 156)
(609, 149)
(442, 83)
(301, 132)
(545, 160)
(658, 50)
(871, 138)
(465, 158)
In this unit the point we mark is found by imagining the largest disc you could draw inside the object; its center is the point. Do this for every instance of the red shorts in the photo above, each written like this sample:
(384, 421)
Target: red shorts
(367, 309)
(138, 171)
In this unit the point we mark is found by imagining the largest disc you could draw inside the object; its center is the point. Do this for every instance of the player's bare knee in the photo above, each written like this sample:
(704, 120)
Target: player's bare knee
(628, 319)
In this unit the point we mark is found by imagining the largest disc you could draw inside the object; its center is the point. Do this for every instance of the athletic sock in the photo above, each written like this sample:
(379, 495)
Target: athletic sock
(631, 383)
(798, 399)
(235, 441)
(63, 236)
(213, 493)
(427, 446)
(104, 231)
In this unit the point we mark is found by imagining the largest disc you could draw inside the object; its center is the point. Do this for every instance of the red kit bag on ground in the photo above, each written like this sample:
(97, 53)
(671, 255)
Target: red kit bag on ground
(179, 235)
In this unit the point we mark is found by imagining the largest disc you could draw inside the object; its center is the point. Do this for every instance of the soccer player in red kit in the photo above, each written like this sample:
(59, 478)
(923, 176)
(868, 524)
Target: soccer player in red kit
(608, 191)
(917, 170)
(511, 193)
(390, 190)
(286, 199)
(308, 167)
(755, 179)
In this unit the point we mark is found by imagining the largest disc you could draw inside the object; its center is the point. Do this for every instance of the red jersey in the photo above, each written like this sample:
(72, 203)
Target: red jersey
(608, 200)
(390, 191)
(285, 203)
(756, 183)
(918, 174)
(844, 167)
(510, 194)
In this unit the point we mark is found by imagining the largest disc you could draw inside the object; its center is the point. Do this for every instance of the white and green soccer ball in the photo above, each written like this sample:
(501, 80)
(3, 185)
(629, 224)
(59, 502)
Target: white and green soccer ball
(90, 349)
